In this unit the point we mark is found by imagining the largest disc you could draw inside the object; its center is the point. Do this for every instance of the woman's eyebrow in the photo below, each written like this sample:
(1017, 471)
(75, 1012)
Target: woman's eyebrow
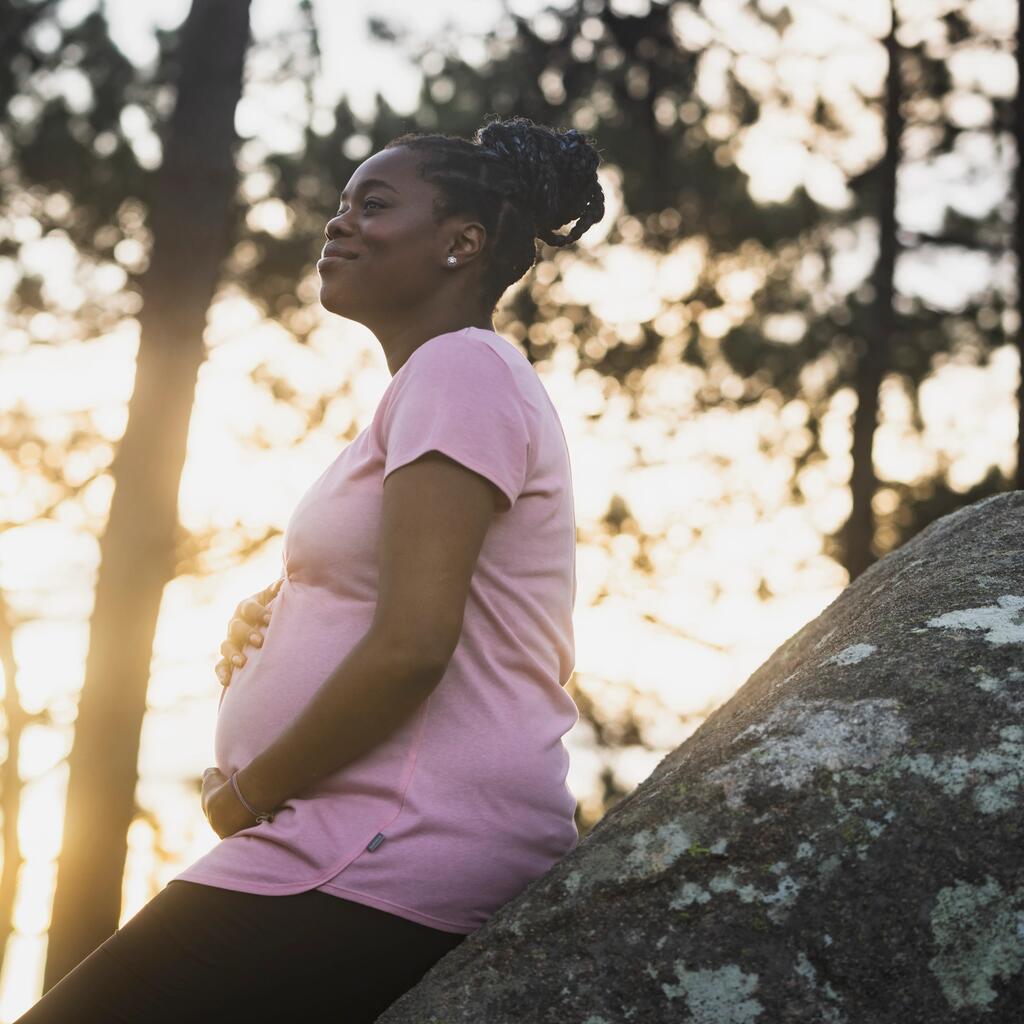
(379, 182)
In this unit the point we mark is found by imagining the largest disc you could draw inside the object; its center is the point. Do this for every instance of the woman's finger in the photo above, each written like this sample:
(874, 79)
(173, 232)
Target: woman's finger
(252, 611)
(223, 671)
(267, 594)
(232, 653)
(239, 631)
(243, 633)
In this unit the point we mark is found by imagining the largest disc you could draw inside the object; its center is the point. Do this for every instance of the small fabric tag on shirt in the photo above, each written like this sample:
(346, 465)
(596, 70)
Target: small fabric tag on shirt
(376, 841)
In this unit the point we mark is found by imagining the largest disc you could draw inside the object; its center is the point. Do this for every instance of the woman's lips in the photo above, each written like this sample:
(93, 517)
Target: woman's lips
(335, 259)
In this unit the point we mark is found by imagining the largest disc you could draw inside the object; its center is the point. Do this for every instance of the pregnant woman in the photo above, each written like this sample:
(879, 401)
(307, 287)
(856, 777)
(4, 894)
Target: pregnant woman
(390, 767)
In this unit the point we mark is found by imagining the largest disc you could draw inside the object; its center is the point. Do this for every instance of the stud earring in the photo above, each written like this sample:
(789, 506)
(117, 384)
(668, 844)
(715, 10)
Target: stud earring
(451, 261)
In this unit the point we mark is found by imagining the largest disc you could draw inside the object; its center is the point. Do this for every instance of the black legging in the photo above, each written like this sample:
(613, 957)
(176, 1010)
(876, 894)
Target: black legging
(197, 953)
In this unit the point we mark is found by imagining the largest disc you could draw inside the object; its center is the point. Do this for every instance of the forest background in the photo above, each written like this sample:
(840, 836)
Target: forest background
(792, 342)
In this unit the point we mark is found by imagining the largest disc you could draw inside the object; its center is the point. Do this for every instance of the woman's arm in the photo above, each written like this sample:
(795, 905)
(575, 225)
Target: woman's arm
(375, 688)
(434, 516)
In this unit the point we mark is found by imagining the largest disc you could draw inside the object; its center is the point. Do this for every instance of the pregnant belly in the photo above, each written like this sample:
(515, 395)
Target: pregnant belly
(309, 634)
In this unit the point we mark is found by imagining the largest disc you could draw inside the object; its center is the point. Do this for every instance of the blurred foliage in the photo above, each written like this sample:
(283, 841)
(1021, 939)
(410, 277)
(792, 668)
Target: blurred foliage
(634, 81)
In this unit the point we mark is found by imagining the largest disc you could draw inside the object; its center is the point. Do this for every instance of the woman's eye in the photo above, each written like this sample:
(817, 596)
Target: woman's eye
(365, 201)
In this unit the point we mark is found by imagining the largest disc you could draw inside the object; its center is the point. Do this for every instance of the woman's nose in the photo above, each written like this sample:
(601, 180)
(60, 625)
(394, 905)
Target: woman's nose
(336, 226)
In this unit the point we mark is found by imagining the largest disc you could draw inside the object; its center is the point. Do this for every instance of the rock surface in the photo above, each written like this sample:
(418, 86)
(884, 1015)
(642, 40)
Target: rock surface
(842, 842)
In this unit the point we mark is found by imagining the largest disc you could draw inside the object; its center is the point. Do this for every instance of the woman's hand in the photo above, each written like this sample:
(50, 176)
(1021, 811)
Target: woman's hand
(223, 810)
(245, 627)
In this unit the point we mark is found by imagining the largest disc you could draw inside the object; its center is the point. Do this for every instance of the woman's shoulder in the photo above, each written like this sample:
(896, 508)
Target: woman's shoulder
(471, 356)
(485, 363)
(472, 343)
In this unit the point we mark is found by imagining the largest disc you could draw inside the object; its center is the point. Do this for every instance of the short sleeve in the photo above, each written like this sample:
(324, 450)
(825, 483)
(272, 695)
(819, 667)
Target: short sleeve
(458, 397)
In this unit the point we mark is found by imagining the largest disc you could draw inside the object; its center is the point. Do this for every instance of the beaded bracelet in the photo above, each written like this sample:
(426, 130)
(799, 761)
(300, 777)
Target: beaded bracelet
(260, 816)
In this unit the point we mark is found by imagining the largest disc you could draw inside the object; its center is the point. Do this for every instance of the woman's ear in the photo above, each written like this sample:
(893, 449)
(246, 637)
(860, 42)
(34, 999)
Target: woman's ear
(468, 241)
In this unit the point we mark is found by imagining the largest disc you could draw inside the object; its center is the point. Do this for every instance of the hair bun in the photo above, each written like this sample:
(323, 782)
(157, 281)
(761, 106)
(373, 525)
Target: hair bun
(552, 172)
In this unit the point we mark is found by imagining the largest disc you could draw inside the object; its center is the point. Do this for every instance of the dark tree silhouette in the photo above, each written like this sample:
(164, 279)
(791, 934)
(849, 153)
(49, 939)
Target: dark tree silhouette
(873, 355)
(190, 239)
(1018, 128)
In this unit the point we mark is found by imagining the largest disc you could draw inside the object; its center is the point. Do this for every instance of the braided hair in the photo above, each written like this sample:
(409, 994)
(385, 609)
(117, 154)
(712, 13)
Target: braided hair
(521, 180)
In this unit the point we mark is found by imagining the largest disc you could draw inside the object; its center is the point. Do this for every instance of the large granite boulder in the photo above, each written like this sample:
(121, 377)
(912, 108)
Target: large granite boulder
(842, 842)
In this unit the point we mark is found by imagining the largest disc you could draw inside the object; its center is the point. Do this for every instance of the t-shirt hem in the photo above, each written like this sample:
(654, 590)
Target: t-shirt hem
(257, 888)
(396, 908)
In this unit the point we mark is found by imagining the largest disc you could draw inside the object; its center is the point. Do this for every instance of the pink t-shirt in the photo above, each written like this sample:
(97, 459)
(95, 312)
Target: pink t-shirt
(463, 805)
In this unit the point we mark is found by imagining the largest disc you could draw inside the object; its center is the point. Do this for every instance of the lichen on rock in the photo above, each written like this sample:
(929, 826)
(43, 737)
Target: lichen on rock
(979, 935)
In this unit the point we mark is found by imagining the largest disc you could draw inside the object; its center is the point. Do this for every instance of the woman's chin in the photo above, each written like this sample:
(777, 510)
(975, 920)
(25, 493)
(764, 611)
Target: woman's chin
(342, 309)
(333, 302)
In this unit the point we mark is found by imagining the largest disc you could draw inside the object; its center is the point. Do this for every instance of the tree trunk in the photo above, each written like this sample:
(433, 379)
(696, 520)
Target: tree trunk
(194, 189)
(860, 527)
(16, 719)
(1019, 181)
